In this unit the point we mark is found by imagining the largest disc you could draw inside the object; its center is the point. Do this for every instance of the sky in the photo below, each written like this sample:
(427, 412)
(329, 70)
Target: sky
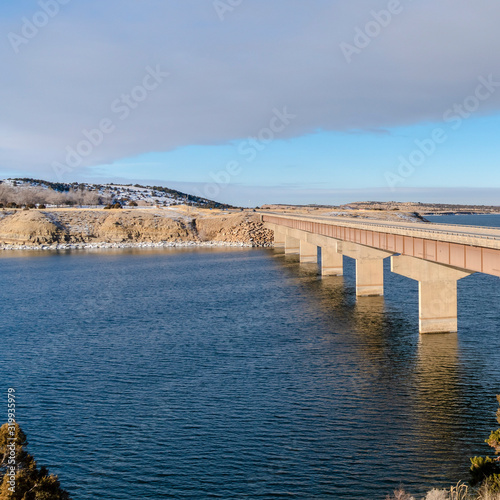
(256, 101)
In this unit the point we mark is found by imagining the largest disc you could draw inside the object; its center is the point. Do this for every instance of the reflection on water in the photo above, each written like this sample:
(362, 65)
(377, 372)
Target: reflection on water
(437, 368)
(419, 377)
(142, 252)
(437, 397)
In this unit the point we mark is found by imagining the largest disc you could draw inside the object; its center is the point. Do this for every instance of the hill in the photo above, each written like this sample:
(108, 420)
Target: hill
(26, 191)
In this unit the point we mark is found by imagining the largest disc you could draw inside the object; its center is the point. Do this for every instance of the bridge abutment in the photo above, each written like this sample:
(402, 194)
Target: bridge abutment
(437, 292)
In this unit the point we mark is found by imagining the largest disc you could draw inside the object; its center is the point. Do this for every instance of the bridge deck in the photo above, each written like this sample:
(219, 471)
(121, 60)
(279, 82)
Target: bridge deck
(467, 247)
(429, 230)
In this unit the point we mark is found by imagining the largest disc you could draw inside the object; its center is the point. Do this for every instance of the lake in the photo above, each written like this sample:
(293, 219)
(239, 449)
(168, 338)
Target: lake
(241, 374)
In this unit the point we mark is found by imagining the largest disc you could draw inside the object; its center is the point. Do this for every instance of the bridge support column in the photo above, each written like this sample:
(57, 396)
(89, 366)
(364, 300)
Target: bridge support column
(308, 252)
(292, 245)
(332, 262)
(437, 292)
(369, 268)
(369, 277)
(279, 237)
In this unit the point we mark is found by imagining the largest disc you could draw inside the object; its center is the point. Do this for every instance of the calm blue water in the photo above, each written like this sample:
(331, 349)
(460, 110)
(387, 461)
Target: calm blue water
(491, 220)
(241, 374)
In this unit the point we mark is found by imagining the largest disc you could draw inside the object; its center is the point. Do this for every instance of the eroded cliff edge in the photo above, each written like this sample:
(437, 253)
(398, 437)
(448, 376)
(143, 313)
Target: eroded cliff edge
(80, 227)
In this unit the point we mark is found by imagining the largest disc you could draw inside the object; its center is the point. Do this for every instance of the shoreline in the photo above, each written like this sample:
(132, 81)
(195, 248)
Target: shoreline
(459, 213)
(109, 245)
(68, 230)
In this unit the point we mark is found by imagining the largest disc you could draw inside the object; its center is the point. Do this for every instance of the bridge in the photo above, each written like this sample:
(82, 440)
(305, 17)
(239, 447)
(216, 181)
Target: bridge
(435, 255)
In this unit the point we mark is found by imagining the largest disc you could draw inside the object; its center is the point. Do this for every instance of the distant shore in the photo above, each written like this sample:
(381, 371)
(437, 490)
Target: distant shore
(433, 214)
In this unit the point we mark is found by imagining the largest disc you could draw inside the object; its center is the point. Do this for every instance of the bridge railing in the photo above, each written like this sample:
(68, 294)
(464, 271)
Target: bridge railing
(401, 225)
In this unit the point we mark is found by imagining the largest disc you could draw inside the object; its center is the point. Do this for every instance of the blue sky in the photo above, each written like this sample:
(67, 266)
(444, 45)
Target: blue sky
(172, 93)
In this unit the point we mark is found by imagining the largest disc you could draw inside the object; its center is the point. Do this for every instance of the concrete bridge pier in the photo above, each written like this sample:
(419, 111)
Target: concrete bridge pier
(279, 234)
(279, 237)
(437, 292)
(369, 268)
(332, 262)
(292, 245)
(308, 252)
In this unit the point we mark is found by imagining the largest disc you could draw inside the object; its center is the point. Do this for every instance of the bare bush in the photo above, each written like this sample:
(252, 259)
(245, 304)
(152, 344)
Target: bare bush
(25, 195)
(435, 494)
(400, 494)
(459, 492)
(486, 494)
(90, 198)
(6, 194)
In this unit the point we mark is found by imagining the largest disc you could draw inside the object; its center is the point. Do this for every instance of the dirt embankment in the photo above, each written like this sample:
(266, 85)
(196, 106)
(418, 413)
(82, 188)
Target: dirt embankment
(73, 226)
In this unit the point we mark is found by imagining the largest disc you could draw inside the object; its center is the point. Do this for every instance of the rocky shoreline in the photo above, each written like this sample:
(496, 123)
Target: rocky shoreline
(161, 244)
(67, 229)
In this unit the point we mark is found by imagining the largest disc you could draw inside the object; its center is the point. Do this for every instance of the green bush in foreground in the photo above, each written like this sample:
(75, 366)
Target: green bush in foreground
(25, 481)
(486, 470)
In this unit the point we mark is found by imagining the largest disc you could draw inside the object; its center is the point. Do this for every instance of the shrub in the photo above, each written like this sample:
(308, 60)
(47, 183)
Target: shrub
(481, 467)
(132, 204)
(485, 470)
(31, 482)
(492, 484)
(400, 494)
(494, 439)
(459, 492)
(435, 494)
